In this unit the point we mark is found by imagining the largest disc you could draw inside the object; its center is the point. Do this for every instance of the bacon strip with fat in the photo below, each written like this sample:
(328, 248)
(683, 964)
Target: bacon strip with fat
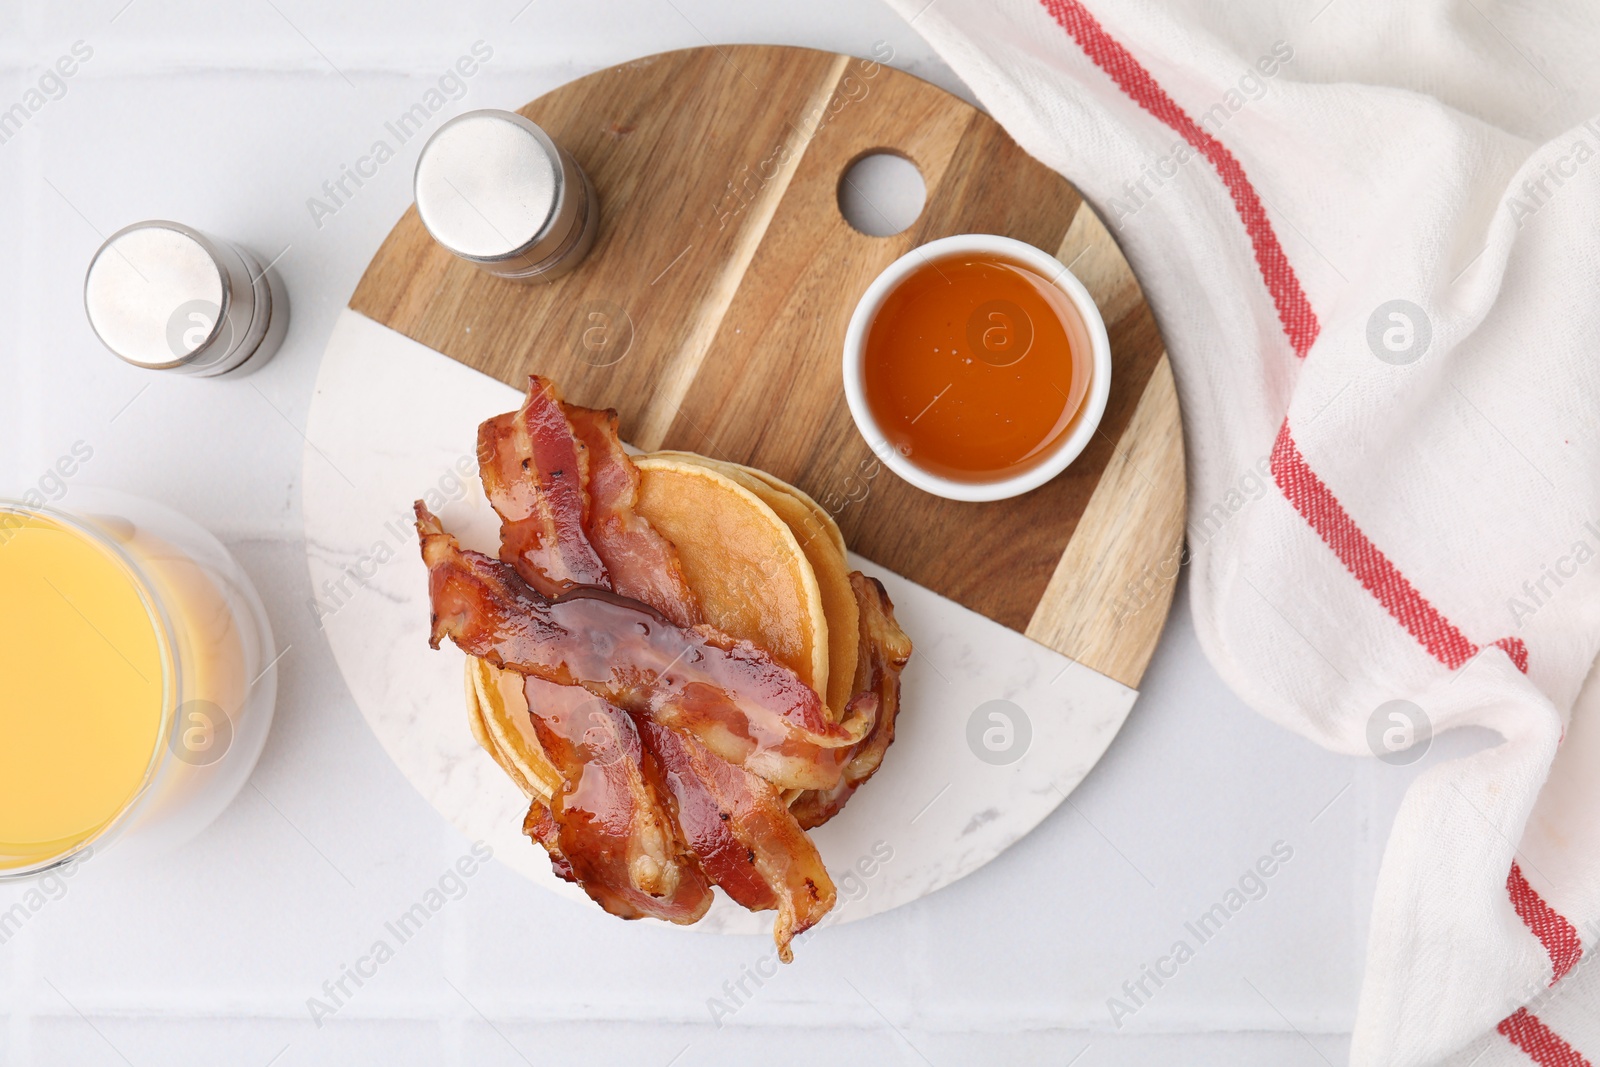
(611, 824)
(747, 841)
(533, 470)
(733, 696)
(885, 650)
(641, 563)
(540, 825)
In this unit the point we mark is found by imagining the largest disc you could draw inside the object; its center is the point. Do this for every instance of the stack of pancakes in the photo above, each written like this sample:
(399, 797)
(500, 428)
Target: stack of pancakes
(768, 566)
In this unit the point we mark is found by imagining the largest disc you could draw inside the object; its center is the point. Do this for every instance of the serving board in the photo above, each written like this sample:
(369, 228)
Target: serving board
(711, 314)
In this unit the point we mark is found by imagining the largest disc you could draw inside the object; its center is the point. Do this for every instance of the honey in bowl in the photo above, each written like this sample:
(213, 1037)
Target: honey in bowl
(975, 367)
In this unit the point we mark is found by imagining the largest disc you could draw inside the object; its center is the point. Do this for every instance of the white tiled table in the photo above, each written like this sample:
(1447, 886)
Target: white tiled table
(229, 117)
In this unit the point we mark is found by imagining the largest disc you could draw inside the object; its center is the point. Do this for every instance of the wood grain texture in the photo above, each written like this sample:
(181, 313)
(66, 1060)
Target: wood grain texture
(712, 311)
(1098, 608)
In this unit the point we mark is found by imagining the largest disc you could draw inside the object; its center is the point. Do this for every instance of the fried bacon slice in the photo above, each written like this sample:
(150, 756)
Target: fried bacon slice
(611, 825)
(679, 748)
(885, 650)
(540, 825)
(533, 470)
(734, 697)
(747, 841)
(641, 563)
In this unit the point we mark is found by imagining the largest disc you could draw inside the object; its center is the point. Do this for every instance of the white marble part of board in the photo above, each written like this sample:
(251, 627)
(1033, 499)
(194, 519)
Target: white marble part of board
(392, 421)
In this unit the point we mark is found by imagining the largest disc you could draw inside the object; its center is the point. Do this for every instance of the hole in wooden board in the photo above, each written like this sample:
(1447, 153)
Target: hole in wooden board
(881, 194)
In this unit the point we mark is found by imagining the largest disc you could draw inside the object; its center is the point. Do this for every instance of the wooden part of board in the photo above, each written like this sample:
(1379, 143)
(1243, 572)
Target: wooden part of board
(712, 310)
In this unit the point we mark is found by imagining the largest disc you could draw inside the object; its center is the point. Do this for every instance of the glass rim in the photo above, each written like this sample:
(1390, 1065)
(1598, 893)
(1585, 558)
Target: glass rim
(171, 681)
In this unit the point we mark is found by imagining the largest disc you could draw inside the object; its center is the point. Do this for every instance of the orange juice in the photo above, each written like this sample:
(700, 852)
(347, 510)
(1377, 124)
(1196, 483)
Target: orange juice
(136, 679)
(86, 675)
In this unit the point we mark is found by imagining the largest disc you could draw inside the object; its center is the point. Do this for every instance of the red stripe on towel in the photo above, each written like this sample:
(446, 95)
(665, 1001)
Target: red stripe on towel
(1322, 510)
(1542, 1044)
(1559, 937)
(1294, 310)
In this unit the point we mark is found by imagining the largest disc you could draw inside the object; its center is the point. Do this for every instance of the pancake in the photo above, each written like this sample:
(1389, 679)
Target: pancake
(823, 545)
(767, 564)
(743, 561)
(498, 713)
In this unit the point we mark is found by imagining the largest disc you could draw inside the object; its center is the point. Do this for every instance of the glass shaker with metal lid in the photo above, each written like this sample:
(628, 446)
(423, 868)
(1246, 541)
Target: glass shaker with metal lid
(493, 189)
(165, 296)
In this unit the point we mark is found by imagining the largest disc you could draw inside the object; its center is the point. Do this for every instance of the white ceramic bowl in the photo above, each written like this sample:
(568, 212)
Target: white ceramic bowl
(1088, 332)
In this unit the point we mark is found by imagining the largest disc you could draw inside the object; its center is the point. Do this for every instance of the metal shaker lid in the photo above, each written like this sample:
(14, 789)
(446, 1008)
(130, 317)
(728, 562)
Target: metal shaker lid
(165, 296)
(491, 186)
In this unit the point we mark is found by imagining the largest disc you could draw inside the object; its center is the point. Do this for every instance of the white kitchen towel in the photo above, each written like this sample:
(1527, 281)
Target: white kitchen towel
(1370, 231)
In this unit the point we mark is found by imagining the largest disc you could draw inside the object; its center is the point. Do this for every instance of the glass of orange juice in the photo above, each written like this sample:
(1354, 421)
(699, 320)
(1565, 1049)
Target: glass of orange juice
(136, 680)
